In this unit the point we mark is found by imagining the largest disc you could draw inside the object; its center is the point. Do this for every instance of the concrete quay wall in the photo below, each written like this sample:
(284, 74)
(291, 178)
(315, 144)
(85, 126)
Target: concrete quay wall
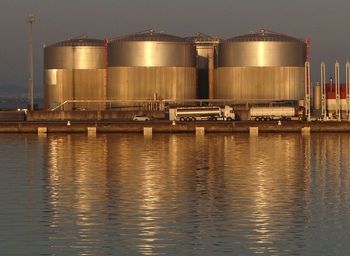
(168, 127)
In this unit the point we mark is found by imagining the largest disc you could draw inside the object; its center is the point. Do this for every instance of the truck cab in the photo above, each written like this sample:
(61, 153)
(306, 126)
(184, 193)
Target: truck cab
(228, 113)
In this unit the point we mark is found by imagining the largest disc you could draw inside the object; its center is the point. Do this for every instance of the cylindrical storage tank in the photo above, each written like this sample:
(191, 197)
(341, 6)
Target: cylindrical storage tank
(261, 66)
(75, 70)
(317, 97)
(143, 65)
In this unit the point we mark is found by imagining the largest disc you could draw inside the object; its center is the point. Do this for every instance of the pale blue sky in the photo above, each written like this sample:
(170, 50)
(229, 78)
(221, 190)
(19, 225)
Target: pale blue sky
(326, 22)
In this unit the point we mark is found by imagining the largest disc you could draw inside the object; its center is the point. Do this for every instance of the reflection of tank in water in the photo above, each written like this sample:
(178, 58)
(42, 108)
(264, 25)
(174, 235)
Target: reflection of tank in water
(77, 179)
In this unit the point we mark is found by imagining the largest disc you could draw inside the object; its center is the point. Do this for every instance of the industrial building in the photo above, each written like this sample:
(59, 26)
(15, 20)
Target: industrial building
(87, 73)
(75, 70)
(332, 102)
(205, 51)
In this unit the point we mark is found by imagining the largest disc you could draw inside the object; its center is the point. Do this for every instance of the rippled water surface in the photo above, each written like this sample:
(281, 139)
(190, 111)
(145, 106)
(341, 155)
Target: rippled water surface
(124, 194)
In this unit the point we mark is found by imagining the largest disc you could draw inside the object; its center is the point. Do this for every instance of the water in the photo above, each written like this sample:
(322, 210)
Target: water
(121, 194)
(14, 103)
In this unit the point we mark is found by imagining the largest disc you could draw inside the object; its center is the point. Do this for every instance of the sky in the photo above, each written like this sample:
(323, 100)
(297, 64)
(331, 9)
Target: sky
(325, 22)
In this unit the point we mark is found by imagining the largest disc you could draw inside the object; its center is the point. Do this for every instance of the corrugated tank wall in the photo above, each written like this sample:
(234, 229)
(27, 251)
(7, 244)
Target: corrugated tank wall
(260, 66)
(75, 70)
(142, 65)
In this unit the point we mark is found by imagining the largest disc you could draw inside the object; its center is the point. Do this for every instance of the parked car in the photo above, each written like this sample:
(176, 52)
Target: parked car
(141, 118)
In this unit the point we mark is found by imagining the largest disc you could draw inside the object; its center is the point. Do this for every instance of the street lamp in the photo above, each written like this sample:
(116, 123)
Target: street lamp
(30, 21)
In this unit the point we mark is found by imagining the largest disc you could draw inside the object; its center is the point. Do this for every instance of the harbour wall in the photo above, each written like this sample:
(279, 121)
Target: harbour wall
(169, 127)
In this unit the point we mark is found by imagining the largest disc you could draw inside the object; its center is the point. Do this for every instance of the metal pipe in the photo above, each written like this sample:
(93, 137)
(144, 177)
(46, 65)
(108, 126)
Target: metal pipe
(30, 21)
(211, 74)
(307, 91)
(106, 70)
(308, 43)
(347, 89)
(337, 91)
(323, 91)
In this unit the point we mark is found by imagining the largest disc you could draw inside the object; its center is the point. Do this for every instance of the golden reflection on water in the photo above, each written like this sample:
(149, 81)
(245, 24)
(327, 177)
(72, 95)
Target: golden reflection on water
(145, 175)
(77, 186)
(266, 176)
(147, 195)
(332, 173)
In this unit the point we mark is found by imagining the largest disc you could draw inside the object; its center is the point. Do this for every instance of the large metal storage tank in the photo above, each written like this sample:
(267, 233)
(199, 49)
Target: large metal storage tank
(75, 69)
(258, 66)
(146, 64)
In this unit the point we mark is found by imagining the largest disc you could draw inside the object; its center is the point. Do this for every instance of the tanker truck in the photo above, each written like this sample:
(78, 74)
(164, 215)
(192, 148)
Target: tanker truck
(209, 113)
(275, 113)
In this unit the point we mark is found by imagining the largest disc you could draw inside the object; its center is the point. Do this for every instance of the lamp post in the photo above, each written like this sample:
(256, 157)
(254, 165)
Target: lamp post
(30, 21)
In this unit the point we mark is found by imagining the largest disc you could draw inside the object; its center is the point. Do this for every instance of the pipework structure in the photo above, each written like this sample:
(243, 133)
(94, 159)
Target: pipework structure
(307, 91)
(347, 90)
(323, 91)
(337, 91)
(30, 21)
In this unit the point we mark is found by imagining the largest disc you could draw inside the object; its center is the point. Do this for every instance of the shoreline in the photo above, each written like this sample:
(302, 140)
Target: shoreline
(168, 127)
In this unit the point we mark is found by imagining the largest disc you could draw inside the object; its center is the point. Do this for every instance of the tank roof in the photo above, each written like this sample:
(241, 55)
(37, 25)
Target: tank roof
(149, 35)
(264, 35)
(78, 42)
